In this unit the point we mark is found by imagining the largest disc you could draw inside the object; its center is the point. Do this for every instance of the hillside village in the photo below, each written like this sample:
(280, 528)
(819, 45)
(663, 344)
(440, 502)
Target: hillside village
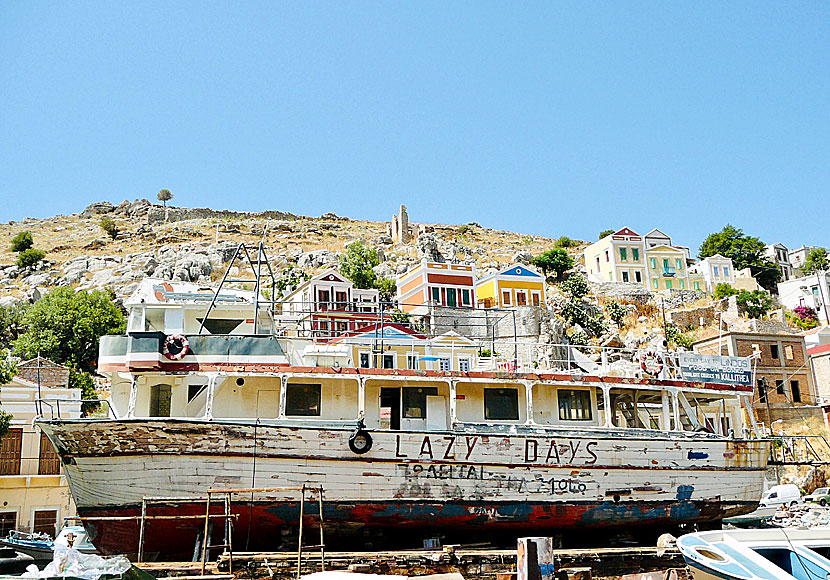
(435, 297)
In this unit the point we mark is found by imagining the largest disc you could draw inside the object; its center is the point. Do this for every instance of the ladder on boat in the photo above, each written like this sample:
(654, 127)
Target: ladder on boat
(799, 450)
(228, 545)
(305, 490)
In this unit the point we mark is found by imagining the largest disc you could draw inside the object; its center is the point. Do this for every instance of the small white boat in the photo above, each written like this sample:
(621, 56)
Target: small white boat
(800, 554)
(41, 546)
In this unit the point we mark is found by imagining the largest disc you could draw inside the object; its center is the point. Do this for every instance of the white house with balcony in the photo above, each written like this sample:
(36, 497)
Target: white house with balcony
(715, 270)
(812, 290)
(779, 255)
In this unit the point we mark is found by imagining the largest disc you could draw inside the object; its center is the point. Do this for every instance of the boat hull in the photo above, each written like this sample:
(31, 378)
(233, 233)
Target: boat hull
(439, 481)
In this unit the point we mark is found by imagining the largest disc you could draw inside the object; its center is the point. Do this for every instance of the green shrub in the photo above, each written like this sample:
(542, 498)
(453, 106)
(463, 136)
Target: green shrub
(108, 225)
(463, 229)
(755, 304)
(674, 336)
(575, 286)
(566, 242)
(22, 241)
(30, 257)
(616, 311)
(724, 290)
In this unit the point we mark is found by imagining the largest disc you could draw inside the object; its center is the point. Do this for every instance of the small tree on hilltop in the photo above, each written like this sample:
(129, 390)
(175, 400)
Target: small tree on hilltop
(108, 225)
(616, 311)
(22, 241)
(555, 261)
(30, 257)
(604, 233)
(566, 242)
(164, 196)
(816, 261)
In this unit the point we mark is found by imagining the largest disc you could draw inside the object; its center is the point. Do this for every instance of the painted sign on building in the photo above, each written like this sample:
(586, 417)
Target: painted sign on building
(732, 370)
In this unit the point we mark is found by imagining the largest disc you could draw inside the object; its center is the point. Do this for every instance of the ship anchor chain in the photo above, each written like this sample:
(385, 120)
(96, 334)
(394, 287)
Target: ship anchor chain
(360, 441)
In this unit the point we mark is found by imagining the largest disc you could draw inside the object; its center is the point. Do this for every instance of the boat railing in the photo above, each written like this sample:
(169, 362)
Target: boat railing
(799, 450)
(56, 408)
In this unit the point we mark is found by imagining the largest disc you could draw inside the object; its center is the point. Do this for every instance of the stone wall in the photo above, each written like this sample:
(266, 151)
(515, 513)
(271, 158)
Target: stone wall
(159, 214)
(691, 318)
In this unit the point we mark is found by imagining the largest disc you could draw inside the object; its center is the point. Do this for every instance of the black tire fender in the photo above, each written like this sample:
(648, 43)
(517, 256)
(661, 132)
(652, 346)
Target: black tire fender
(360, 441)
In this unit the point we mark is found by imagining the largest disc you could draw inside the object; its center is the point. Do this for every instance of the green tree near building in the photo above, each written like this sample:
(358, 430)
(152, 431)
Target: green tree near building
(357, 264)
(816, 261)
(556, 261)
(66, 327)
(745, 251)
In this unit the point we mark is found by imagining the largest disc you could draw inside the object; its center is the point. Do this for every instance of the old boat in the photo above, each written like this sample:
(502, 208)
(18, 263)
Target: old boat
(41, 547)
(456, 443)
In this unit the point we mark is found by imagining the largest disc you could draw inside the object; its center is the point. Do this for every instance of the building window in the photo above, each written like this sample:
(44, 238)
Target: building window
(665, 264)
(574, 405)
(597, 264)
(342, 326)
(653, 263)
(607, 257)
(796, 390)
(412, 361)
(505, 298)
(638, 276)
(160, 400)
(465, 297)
(364, 360)
(45, 522)
(625, 276)
(623, 255)
(726, 271)
(716, 271)
(779, 386)
(436, 295)
(501, 404)
(682, 283)
(521, 298)
(341, 300)
(389, 361)
(444, 365)
(696, 285)
(415, 401)
(668, 284)
(48, 461)
(656, 283)
(635, 254)
(452, 300)
(8, 522)
(762, 391)
(536, 299)
(464, 365)
(773, 350)
(678, 264)
(323, 299)
(302, 400)
(10, 449)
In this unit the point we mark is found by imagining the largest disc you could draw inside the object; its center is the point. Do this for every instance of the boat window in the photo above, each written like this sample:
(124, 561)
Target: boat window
(193, 391)
(501, 404)
(303, 400)
(574, 405)
(415, 401)
(160, 400)
(793, 563)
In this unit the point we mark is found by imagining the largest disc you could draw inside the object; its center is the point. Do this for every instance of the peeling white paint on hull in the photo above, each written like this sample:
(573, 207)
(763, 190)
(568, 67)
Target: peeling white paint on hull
(549, 478)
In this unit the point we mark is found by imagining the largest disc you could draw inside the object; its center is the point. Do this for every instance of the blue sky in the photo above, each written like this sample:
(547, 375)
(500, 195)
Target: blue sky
(545, 118)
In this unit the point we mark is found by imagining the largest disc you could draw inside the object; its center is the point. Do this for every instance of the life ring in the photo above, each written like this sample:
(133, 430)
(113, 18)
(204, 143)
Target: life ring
(651, 362)
(175, 347)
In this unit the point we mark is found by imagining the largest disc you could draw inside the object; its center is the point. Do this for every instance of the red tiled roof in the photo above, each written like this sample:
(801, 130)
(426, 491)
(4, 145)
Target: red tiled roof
(820, 349)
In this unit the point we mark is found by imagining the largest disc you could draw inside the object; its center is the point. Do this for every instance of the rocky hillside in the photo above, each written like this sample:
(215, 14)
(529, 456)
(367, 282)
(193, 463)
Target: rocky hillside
(196, 244)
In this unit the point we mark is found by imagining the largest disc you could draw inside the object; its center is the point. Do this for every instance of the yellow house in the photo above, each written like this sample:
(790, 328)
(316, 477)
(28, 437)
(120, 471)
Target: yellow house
(395, 346)
(34, 495)
(618, 257)
(517, 285)
(667, 269)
